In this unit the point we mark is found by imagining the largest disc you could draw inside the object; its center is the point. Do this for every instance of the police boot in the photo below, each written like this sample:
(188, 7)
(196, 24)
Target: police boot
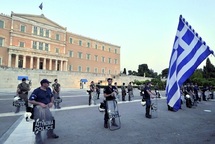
(147, 112)
(105, 124)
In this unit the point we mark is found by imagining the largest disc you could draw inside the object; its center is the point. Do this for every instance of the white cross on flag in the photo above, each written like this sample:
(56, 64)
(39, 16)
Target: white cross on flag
(189, 50)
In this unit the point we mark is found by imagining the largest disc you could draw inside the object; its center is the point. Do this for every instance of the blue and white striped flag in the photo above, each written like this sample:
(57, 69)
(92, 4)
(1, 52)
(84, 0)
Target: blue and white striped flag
(189, 50)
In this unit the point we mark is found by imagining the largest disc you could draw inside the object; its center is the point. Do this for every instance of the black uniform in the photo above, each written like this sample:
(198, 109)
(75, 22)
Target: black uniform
(108, 90)
(148, 101)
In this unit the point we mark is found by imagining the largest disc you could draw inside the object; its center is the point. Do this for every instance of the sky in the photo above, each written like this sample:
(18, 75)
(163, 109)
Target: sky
(145, 30)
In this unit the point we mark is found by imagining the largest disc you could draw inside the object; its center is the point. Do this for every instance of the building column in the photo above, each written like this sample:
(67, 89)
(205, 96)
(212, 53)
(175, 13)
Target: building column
(56, 64)
(61, 65)
(17, 61)
(38, 63)
(9, 60)
(31, 62)
(66, 66)
(24, 62)
(50, 64)
(44, 63)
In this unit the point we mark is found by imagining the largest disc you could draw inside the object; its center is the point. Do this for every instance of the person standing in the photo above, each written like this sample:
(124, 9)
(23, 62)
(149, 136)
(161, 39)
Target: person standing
(148, 94)
(56, 93)
(92, 93)
(116, 91)
(130, 91)
(42, 99)
(123, 89)
(22, 90)
(98, 90)
(109, 95)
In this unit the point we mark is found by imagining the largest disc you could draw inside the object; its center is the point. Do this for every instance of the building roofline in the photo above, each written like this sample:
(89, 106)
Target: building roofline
(94, 39)
(40, 16)
(43, 16)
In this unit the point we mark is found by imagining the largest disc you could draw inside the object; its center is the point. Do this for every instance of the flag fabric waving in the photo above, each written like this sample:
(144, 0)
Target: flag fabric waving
(189, 50)
(41, 6)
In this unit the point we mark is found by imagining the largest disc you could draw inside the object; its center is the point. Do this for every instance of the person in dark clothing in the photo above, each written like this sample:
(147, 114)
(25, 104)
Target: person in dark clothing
(22, 90)
(109, 95)
(42, 99)
(123, 88)
(98, 90)
(148, 94)
(196, 91)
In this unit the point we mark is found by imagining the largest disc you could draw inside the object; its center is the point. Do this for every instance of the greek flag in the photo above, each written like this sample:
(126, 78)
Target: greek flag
(189, 50)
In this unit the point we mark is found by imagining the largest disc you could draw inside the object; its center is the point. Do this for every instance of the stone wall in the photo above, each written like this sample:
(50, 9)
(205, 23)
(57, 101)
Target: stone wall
(9, 77)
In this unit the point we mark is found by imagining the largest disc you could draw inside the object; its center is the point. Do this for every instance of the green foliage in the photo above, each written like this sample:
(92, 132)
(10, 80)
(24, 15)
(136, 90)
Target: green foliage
(155, 81)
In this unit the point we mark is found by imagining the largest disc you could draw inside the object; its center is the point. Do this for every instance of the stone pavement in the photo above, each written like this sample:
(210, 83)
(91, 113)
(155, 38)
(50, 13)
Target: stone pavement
(84, 124)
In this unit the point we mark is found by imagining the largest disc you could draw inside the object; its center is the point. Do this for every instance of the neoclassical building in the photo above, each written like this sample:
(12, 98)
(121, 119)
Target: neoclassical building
(36, 42)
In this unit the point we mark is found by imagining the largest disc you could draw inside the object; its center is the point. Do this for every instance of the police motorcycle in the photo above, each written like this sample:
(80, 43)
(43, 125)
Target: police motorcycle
(102, 106)
(18, 102)
(157, 93)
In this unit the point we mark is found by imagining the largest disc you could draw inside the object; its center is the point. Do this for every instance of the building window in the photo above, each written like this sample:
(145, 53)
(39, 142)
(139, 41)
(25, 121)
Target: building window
(57, 37)
(0, 61)
(115, 61)
(1, 24)
(70, 40)
(40, 46)
(88, 69)
(109, 72)
(47, 33)
(103, 48)
(70, 53)
(96, 70)
(115, 51)
(22, 28)
(41, 32)
(88, 56)
(103, 70)
(96, 46)
(80, 43)
(35, 30)
(70, 67)
(21, 44)
(1, 42)
(103, 59)
(57, 50)
(34, 45)
(109, 60)
(96, 57)
(88, 44)
(79, 68)
(109, 49)
(80, 55)
(46, 47)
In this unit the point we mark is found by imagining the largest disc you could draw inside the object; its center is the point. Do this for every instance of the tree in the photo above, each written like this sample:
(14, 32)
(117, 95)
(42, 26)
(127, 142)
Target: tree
(129, 72)
(164, 73)
(124, 71)
(209, 69)
(143, 68)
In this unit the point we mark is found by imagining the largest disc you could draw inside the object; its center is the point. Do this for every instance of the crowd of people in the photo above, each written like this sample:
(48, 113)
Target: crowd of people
(45, 97)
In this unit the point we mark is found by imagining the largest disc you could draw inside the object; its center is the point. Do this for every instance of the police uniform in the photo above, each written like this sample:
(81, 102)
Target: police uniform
(108, 90)
(56, 91)
(22, 90)
(42, 96)
(148, 101)
(123, 92)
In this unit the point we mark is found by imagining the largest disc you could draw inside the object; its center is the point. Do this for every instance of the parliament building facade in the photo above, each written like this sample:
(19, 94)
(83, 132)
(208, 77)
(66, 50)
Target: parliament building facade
(35, 42)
